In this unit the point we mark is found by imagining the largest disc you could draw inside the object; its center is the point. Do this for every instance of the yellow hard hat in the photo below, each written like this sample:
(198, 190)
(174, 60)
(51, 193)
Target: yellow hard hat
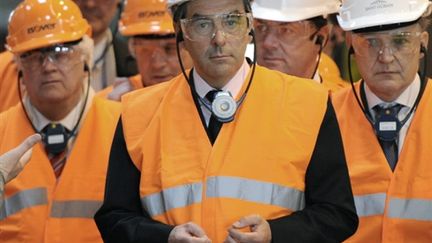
(145, 17)
(39, 23)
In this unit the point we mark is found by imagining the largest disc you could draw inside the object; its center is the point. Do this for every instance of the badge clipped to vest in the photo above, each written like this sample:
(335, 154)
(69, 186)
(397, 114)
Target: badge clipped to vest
(387, 127)
(55, 138)
(224, 107)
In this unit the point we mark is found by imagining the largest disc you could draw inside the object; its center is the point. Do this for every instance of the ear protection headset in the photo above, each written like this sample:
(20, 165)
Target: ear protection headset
(319, 40)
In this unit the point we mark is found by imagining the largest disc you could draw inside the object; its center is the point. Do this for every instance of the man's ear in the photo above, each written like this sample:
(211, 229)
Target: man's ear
(131, 47)
(322, 36)
(348, 39)
(424, 41)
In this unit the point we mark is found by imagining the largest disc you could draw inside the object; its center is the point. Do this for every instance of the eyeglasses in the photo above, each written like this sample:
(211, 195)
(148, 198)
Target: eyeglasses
(232, 25)
(149, 48)
(283, 31)
(59, 55)
(374, 44)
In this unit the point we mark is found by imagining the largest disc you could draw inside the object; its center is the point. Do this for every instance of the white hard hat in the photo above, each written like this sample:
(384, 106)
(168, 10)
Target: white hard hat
(358, 14)
(172, 3)
(293, 10)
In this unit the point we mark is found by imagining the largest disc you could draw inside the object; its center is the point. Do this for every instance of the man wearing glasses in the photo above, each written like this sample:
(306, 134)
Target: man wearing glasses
(228, 151)
(99, 14)
(55, 197)
(385, 120)
(291, 36)
(152, 43)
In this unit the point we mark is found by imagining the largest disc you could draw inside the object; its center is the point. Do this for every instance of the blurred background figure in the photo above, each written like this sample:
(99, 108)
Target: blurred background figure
(63, 184)
(110, 58)
(152, 43)
(291, 36)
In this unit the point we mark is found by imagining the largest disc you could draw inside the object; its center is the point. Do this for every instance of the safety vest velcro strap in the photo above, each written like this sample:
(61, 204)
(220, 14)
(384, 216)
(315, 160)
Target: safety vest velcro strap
(255, 191)
(224, 187)
(415, 209)
(370, 204)
(75, 209)
(22, 200)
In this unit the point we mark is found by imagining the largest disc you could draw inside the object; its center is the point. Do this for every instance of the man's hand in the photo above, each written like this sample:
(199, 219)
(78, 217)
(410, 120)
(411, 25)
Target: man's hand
(12, 162)
(121, 86)
(188, 233)
(259, 231)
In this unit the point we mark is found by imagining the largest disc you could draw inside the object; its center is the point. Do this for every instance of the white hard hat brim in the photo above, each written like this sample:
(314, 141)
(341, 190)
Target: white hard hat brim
(171, 3)
(382, 19)
(292, 14)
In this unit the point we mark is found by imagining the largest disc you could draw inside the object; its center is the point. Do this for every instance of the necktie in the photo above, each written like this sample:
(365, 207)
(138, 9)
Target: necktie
(214, 125)
(58, 158)
(390, 148)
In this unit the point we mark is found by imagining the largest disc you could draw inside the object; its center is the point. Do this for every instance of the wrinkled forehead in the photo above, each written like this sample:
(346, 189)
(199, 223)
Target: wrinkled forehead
(394, 31)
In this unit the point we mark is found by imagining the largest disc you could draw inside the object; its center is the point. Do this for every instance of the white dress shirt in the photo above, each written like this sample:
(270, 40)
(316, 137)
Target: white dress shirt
(233, 86)
(407, 99)
(39, 121)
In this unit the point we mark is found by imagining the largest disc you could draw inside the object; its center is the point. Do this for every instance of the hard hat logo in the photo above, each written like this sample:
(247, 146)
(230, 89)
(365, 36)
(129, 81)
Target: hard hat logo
(39, 28)
(36, 24)
(151, 14)
(379, 4)
(145, 17)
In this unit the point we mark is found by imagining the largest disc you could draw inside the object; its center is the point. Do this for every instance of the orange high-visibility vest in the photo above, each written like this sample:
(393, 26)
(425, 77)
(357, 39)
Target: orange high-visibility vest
(135, 82)
(8, 81)
(330, 74)
(40, 209)
(392, 207)
(256, 166)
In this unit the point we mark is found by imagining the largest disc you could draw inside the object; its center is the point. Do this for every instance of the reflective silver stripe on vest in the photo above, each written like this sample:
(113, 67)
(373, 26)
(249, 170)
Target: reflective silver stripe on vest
(370, 204)
(22, 200)
(75, 209)
(416, 209)
(175, 197)
(255, 191)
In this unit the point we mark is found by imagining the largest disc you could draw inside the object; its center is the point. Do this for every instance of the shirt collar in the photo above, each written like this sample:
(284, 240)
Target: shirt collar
(234, 85)
(69, 122)
(407, 98)
(317, 77)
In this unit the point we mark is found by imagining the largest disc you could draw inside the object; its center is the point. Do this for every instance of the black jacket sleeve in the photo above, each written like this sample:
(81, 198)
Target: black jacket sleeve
(329, 214)
(121, 217)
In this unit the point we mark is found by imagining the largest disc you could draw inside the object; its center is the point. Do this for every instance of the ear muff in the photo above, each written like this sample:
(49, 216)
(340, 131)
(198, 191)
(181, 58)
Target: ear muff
(423, 49)
(179, 36)
(319, 40)
(252, 32)
(86, 67)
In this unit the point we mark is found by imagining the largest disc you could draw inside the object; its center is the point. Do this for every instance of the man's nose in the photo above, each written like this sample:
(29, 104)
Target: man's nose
(386, 54)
